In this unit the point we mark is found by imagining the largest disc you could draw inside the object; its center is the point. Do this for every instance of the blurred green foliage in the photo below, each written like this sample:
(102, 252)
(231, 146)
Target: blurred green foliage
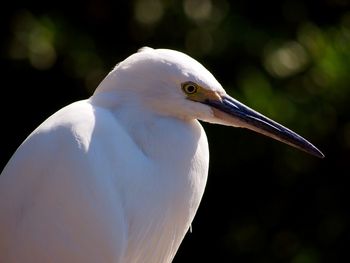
(290, 60)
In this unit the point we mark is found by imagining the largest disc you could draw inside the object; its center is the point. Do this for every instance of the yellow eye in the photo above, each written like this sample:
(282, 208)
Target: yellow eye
(189, 87)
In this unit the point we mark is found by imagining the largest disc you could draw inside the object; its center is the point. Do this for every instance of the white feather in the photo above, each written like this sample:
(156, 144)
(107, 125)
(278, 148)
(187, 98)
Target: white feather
(109, 179)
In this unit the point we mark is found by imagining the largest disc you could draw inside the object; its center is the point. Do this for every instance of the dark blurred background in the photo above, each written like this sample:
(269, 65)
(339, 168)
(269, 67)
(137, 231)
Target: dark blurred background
(290, 60)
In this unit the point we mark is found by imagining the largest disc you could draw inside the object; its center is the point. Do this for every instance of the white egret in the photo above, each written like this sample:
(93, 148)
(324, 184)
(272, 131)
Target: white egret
(119, 177)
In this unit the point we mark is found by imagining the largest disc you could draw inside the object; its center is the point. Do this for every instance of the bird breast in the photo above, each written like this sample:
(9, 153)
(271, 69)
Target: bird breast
(167, 189)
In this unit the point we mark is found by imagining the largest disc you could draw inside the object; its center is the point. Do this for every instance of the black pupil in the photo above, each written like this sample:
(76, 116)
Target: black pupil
(190, 88)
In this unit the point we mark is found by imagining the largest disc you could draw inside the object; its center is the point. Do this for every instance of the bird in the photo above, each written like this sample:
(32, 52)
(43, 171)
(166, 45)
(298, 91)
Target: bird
(118, 177)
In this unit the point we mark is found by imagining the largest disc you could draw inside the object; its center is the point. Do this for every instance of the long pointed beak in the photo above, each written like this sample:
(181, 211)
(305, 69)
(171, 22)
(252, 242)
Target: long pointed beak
(232, 112)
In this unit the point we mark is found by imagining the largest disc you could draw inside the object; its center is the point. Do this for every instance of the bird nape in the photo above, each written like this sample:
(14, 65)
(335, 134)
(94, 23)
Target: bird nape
(118, 177)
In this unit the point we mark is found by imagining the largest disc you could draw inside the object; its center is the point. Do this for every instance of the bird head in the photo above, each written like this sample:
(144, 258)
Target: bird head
(173, 84)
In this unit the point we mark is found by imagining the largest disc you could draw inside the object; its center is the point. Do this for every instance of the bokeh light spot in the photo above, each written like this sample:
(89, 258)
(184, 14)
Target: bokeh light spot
(198, 9)
(285, 60)
(148, 12)
(33, 39)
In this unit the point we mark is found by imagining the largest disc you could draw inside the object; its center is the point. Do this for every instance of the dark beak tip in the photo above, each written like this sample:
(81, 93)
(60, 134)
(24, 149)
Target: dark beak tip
(311, 149)
(320, 154)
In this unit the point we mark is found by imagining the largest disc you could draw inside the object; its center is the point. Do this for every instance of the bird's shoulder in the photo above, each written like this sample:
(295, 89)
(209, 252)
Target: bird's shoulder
(78, 124)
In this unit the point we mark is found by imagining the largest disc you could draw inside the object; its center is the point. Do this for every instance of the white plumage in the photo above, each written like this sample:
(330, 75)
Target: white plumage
(119, 177)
